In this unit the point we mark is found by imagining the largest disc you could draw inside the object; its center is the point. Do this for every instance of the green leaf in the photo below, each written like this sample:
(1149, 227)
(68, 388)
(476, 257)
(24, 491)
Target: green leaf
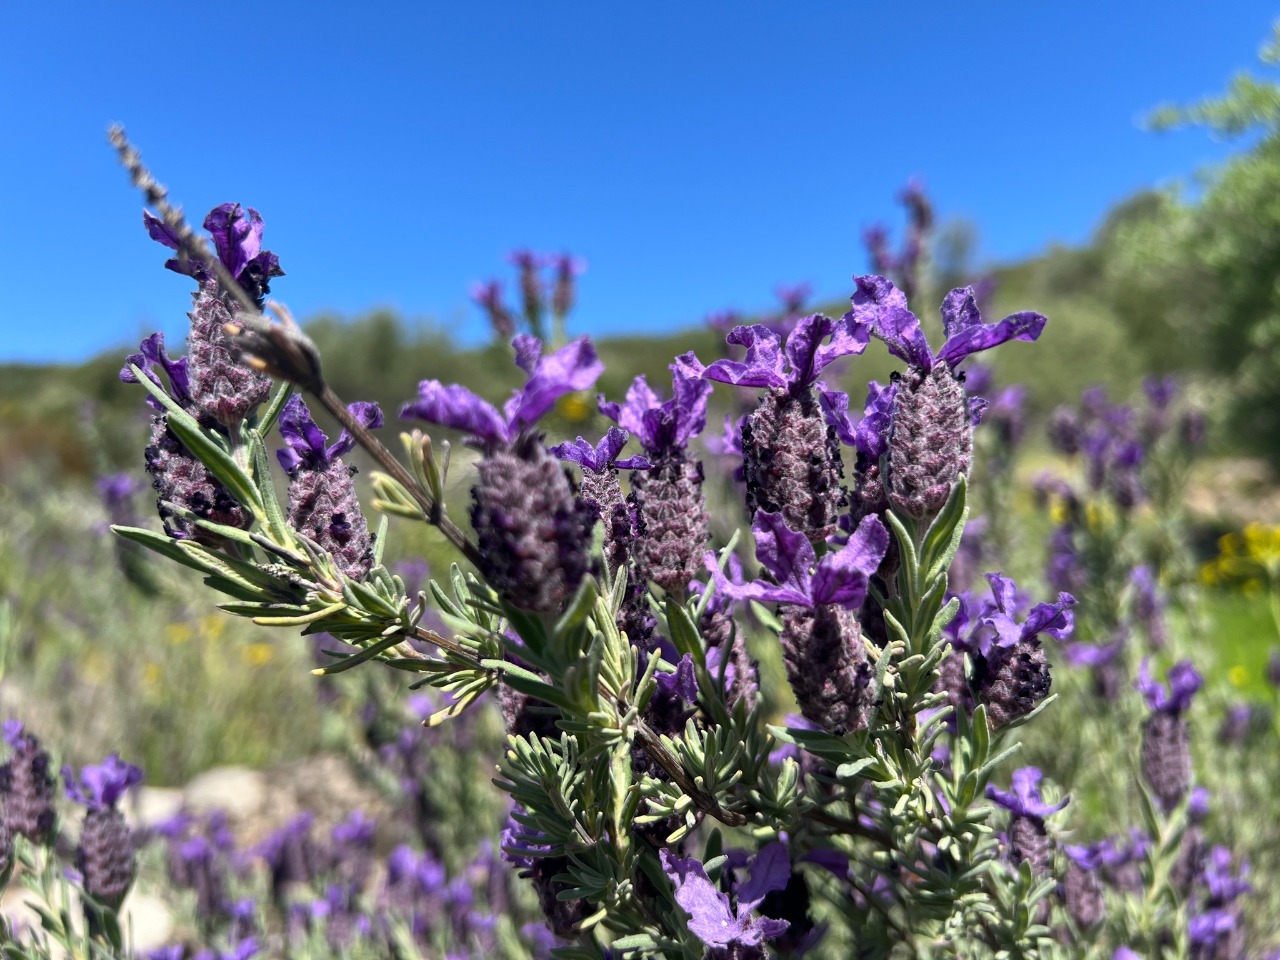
(684, 633)
(163, 545)
(942, 539)
(360, 656)
(267, 418)
(276, 521)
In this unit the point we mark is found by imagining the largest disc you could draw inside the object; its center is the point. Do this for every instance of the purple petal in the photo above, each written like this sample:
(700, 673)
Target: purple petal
(959, 312)
(1025, 799)
(1026, 325)
(835, 412)
(682, 683)
(883, 308)
(101, 785)
(770, 871)
(456, 406)
(871, 436)
(763, 365)
(573, 367)
(368, 415)
(842, 576)
(630, 413)
(237, 235)
(1054, 618)
(159, 231)
(734, 590)
(305, 440)
(712, 920)
(528, 350)
(849, 336)
(786, 554)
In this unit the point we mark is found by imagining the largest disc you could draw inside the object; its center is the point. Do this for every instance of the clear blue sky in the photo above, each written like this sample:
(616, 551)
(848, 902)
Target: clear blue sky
(696, 154)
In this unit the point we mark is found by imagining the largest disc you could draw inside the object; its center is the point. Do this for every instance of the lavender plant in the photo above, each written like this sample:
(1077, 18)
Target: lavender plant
(654, 808)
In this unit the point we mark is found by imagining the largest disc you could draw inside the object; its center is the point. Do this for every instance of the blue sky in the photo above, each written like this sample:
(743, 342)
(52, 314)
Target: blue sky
(696, 154)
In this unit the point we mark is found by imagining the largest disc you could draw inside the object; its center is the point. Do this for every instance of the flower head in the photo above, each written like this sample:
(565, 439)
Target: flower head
(884, 308)
(1184, 682)
(796, 366)
(237, 239)
(101, 785)
(1054, 618)
(572, 367)
(304, 441)
(840, 577)
(662, 425)
(1024, 800)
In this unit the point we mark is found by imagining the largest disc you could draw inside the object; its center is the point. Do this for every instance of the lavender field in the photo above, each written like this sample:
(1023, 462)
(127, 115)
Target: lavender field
(940, 620)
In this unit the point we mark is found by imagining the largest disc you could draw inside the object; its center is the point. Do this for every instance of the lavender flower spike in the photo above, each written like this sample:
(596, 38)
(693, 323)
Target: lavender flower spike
(791, 459)
(1028, 838)
(322, 496)
(105, 856)
(1010, 671)
(822, 643)
(1166, 748)
(931, 444)
(672, 510)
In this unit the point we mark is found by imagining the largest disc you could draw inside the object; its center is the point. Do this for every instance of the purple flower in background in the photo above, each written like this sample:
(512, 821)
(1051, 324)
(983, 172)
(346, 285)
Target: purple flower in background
(1028, 839)
(572, 367)
(237, 239)
(105, 857)
(1166, 750)
(1148, 605)
(305, 442)
(488, 296)
(1184, 682)
(567, 269)
(27, 786)
(101, 785)
(716, 921)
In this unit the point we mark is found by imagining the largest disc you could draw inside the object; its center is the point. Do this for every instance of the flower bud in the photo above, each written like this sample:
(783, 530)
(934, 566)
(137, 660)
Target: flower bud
(27, 786)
